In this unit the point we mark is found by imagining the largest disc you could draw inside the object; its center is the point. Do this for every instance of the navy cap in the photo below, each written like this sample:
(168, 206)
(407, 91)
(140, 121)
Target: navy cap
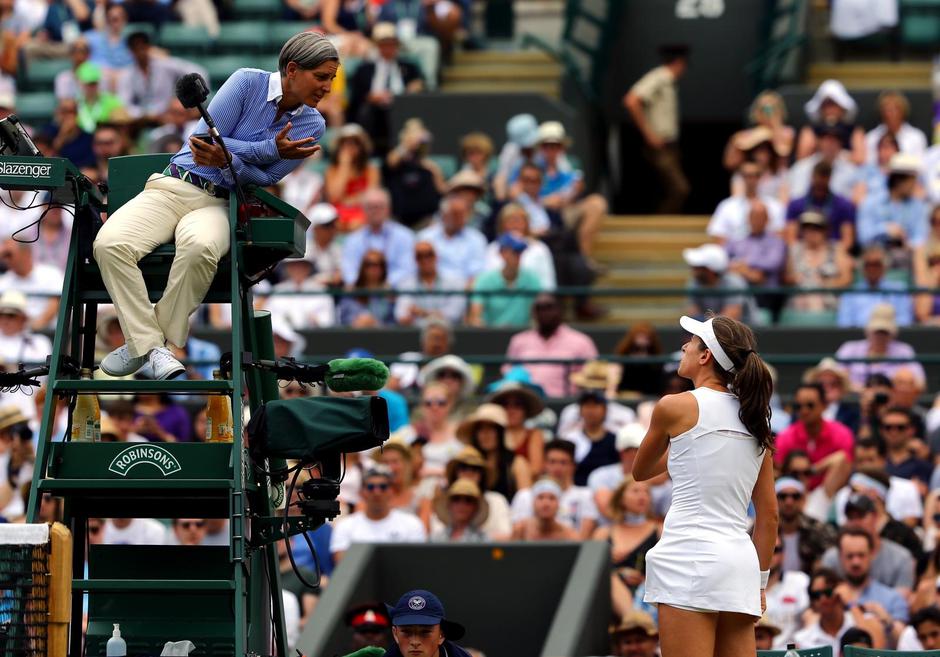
(420, 607)
(512, 242)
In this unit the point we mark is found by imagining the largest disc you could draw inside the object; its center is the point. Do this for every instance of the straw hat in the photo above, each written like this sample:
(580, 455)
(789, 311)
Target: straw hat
(468, 456)
(466, 179)
(533, 403)
(754, 137)
(594, 375)
(484, 413)
(13, 301)
(635, 620)
(10, 416)
(355, 132)
(396, 444)
(552, 132)
(828, 364)
(462, 487)
(767, 624)
(384, 32)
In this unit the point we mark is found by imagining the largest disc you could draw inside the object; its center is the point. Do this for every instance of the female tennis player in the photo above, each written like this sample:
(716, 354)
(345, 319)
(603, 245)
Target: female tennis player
(706, 573)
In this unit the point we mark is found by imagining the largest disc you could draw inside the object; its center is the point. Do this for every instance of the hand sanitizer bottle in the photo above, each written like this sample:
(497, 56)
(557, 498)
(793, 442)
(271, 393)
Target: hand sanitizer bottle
(116, 646)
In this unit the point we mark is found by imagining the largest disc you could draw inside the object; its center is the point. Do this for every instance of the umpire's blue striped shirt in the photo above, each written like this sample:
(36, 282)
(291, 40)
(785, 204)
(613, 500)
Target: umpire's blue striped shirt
(243, 111)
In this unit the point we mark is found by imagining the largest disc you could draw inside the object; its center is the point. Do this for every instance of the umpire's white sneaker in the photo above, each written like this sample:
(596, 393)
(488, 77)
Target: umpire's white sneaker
(120, 362)
(163, 365)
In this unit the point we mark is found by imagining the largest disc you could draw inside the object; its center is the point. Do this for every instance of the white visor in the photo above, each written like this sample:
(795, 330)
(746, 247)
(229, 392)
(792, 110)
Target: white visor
(705, 331)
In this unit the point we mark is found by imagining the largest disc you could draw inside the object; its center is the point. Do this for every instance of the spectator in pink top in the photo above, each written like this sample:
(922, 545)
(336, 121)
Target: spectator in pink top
(550, 338)
(828, 443)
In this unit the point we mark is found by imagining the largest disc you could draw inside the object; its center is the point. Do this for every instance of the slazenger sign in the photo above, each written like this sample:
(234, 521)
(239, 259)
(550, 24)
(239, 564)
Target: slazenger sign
(144, 454)
(25, 170)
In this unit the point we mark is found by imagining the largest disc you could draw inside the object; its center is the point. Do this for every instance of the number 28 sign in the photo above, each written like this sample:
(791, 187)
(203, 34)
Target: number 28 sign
(692, 9)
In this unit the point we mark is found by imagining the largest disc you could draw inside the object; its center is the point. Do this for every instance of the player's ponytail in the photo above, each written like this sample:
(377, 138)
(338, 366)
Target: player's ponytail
(750, 379)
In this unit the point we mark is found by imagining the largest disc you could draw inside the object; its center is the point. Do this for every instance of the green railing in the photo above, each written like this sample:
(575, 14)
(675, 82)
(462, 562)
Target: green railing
(589, 30)
(780, 59)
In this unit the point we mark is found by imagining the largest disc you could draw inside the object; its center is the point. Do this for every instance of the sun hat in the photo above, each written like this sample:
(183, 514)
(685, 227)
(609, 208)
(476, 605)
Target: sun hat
(13, 301)
(522, 130)
(635, 620)
(432, 371)
(882, 319)
(552, 132)
(490, 412)
(835, 91)
(462, 487)
(593, 375)
(533, 402)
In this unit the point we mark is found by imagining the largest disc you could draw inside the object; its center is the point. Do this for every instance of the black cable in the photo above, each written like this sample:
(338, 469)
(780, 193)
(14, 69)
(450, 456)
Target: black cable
(289, 493)
(51, 205)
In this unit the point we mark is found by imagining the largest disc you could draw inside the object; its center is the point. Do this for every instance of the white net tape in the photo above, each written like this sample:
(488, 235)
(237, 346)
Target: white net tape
(17, 534)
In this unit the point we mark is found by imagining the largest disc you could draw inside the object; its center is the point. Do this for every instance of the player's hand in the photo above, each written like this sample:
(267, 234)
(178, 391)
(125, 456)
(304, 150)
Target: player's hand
(207, 155)
(294, 150)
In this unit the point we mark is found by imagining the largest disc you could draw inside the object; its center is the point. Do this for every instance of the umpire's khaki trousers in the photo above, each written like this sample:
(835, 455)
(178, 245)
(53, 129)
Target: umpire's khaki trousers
(167, 210)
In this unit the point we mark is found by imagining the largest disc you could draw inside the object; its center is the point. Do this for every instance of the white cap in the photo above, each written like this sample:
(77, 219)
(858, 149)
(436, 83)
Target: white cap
(705, 331)
(323, 213)
(710, 256)
(905, 163)
(546, 485)
(630, 436)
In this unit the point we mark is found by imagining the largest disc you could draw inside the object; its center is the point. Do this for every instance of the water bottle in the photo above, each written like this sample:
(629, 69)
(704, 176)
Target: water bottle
(86, 418)
(219, 421)
(116, 646)
(791, 651)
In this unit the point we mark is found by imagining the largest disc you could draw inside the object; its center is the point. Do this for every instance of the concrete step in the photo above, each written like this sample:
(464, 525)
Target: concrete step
(662, 223)
(544, 87)
(503, 72)
(873, 75)
(667, 275)
(658, 245)
(621, 312)
(467, 57)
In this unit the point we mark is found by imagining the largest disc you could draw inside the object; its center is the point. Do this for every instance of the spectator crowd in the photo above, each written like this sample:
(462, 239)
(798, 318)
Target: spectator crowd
(397, 240)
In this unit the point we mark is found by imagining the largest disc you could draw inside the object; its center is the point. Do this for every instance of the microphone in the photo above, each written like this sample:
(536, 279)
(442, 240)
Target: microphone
(192, 91)
(347, 374)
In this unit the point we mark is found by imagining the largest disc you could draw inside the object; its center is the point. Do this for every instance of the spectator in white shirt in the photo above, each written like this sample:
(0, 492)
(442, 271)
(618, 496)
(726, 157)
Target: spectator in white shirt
(595, 375)
(300, 298)
(323, 247)
(730, 221)
(42, 284)
(134, 531)
(17, 343)
(894, 109)
(378, 522)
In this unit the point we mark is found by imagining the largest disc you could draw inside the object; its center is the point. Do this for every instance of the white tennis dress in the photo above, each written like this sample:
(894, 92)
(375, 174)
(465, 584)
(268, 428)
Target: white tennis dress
(705, 559)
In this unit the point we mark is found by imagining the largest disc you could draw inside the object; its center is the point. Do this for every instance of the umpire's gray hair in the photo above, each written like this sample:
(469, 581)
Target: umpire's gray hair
(308, 49)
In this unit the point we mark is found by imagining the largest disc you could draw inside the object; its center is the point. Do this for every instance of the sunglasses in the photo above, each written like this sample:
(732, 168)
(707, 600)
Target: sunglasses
(424, 255)
(441, 403)
(449, 374)
(895, 427)
(819, 593)
(809, 472)
(873, 263)
(374, 263)
(789, 496)
(376, 487)
(189, 524)
(463, 499)
(807, 405)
